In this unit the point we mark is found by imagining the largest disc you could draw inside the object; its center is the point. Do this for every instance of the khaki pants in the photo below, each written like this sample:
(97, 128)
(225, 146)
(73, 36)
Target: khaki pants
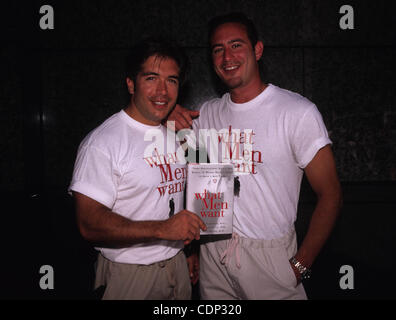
(164, 280)
(242, 268)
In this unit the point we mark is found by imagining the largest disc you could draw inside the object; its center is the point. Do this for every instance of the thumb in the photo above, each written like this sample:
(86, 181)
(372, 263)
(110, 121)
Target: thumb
(202, 225)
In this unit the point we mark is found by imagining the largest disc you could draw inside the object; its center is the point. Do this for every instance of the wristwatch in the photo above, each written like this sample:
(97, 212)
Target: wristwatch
(304, 271)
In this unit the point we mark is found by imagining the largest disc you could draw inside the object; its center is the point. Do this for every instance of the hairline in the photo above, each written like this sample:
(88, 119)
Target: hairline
(246, 30)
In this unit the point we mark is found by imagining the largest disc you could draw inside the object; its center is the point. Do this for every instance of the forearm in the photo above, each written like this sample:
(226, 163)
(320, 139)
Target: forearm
(99, 225)
(322, 223)
(108, 229)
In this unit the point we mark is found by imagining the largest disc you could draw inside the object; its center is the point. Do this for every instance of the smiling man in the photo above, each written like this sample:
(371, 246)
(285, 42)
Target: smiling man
(235, 61)
(126, 204)
(155, 92)
(274, 137)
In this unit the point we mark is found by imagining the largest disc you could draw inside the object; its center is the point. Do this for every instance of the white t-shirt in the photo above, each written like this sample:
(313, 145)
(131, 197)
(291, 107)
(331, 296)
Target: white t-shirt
(269, 139)
(113, 169)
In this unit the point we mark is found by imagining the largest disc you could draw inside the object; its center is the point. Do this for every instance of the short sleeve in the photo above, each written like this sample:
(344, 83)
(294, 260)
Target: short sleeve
(309, 136)
(95, 176)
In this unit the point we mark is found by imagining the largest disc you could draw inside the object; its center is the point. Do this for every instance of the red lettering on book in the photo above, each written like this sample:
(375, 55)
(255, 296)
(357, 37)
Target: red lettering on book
(212, 214)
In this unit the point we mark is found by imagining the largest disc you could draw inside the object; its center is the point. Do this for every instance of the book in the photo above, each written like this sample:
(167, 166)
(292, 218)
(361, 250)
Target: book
(210, 195)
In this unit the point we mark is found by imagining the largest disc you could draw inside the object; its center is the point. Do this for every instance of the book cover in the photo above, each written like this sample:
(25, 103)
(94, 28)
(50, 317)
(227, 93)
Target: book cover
(210, 195)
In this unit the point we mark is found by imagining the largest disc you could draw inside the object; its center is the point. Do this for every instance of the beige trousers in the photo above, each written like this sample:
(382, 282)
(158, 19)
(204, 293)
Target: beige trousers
(242, 268)
(164, 280)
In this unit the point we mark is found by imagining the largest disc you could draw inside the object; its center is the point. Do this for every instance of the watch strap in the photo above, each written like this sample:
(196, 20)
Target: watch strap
(304, 271)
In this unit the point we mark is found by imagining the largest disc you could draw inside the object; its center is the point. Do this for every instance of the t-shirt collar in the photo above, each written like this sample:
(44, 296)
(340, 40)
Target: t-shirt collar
(250, 104)
(136, 124)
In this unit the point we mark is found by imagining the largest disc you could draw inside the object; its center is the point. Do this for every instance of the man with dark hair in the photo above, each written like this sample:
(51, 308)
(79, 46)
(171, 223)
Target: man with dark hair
(234, 17)
(155, 47)
(272, 136)
(123, 185)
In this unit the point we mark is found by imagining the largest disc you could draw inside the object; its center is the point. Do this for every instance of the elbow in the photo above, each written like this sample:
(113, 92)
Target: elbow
(86, 231)
(332, 199)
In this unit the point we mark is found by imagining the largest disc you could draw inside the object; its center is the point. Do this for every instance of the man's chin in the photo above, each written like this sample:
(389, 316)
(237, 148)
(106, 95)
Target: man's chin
(161, 116)
(232, 83)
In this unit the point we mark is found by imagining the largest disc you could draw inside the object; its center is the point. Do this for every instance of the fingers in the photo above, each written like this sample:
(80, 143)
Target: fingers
(183, 117)
(190, 236)
(193, 267)
(182, 122)
(197, 223)
(201, 224)
(194, 113)
(189, 115)
(194, 227)
(195, 276)
(185, 226)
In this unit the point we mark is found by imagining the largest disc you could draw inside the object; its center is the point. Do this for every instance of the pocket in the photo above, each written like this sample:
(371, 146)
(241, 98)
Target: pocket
(281, 267)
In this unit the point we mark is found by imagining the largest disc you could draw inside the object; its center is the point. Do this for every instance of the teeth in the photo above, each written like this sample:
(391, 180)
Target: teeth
(160, 103)
(231, 68)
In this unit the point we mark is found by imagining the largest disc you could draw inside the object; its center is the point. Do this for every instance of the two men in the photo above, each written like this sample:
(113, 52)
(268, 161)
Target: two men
(274, 137)
(129, 198)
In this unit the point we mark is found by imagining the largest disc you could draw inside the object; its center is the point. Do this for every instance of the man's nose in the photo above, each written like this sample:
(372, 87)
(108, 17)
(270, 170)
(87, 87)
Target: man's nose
(162, 87)
(227, 55)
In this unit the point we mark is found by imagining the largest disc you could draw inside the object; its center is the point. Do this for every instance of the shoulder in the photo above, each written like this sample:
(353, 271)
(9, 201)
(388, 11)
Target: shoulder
(212, 105)
(106, 135)
(291, 98)
(291, 102)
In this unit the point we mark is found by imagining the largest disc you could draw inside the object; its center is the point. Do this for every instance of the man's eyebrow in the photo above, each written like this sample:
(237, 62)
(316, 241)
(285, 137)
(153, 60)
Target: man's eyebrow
(237, 40)
(151, 73)
(230, 41)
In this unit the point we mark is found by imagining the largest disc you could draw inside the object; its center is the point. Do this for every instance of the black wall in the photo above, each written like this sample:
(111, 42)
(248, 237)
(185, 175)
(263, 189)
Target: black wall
(57, 85)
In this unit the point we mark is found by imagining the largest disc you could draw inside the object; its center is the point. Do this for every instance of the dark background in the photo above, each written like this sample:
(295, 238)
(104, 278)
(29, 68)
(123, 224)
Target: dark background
(57, 85)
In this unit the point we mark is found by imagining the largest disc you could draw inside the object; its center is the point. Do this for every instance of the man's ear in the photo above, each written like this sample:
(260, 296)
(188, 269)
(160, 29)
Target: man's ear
(258, 50)
(130, 85)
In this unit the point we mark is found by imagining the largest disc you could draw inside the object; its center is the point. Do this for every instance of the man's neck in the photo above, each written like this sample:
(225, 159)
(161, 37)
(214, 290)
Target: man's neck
(242, 95)
(132, 111)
